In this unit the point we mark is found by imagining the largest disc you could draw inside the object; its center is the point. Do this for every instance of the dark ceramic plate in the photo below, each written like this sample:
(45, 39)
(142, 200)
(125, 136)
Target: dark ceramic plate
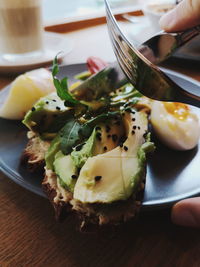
(171, 175)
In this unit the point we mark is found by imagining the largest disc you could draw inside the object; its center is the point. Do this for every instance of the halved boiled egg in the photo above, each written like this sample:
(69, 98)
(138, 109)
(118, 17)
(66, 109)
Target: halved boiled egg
(25, 90)
(175, 124)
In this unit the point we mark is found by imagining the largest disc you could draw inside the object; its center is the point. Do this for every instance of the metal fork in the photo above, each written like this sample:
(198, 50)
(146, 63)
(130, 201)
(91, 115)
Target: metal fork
(143, 74)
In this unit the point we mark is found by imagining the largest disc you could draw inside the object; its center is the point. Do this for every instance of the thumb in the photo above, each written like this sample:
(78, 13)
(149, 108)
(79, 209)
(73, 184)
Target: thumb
(187, 212)
(184, 16)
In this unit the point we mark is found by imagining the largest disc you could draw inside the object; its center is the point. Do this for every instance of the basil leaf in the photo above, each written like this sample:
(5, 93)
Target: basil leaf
(70, 136)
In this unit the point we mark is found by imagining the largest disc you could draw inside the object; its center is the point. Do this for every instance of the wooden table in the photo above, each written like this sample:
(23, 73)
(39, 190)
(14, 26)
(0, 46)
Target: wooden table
(30, 236)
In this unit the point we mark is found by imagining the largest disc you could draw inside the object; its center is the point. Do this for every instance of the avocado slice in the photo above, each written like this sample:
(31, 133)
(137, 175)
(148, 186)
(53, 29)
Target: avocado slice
(47, 116)
(98, 85)
(104, 137)
(65, 170)
(51, 152)
(116, 174)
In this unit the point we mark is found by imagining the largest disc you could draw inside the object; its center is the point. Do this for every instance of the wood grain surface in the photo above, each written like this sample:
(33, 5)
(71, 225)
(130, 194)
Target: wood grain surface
(30, 236)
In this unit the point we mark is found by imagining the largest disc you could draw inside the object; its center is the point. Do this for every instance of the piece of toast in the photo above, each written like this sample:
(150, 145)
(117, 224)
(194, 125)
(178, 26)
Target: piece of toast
(34, 153)
(90, 215)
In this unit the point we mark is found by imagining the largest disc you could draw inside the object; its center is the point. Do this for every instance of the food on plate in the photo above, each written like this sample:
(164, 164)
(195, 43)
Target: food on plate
(175, 124)
(94, 140)
(25, 90)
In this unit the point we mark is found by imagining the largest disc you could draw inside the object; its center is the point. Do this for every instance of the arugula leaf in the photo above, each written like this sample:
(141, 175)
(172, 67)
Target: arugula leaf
(70, 136)
(88, 127)
(61, 85)
(73, 133)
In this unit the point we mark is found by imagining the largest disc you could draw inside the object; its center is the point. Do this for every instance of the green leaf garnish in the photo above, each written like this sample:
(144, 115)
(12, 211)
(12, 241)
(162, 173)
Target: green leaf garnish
(88, 127)
(61, 85)
(69, 136)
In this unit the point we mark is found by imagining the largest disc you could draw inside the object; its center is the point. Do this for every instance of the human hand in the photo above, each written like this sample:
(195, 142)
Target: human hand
(187, 212)
(184, 16)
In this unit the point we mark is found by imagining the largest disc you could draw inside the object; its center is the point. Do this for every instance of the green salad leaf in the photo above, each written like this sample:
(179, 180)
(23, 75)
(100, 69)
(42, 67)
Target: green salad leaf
(88, 127)
(70, 136)
(61, 85)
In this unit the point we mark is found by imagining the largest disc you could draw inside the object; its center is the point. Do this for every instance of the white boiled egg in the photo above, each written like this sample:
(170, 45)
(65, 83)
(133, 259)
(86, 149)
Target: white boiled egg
(25, 90)
(175, 124)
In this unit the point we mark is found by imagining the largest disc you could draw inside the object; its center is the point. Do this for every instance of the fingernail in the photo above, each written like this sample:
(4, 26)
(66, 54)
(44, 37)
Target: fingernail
(184, 218)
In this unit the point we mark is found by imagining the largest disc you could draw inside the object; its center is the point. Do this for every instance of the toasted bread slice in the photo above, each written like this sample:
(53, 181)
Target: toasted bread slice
(34, 153)
(59, 197)
(91, 215)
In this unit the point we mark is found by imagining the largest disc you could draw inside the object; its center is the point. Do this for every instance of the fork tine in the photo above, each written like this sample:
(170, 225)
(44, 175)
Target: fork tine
(122, 59)
(111, 19)
(121, 44)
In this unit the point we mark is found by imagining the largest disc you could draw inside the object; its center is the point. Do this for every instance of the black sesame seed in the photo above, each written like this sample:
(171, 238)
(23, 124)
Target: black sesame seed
(58, 108)
(134, 127)
(105, 148)
(133, 132)
(33, 109)
(97, 178)
(125, 148)
(74, 176)
(133, 119)
(133, 112)
(138, 127)
(114, 137)
(78, 147)
(47, 102)
(122, 139)
(145, 134)
(54, 100)
(118, 123)
(98, 136)
(121, 144)
(107, 128)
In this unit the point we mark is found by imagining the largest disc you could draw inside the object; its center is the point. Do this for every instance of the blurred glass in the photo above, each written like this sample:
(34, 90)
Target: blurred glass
(21, 28)
(154, 9)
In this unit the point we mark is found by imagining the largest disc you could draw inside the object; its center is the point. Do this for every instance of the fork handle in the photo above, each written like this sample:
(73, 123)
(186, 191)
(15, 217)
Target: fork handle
(184, 37)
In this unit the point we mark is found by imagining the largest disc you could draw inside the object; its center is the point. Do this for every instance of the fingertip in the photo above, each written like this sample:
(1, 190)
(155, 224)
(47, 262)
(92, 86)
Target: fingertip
(166, 21)
(187, 213)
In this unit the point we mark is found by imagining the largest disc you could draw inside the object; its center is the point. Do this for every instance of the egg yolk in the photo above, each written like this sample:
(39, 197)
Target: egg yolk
(178, 110)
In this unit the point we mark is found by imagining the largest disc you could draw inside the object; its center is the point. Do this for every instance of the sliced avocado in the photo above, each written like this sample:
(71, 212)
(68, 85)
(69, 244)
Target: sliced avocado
(116, 175)
(104, 137)
(97, 85)
(83, 75)
(51, 152)
(65, 170)
(79, 157)
(47, 116)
